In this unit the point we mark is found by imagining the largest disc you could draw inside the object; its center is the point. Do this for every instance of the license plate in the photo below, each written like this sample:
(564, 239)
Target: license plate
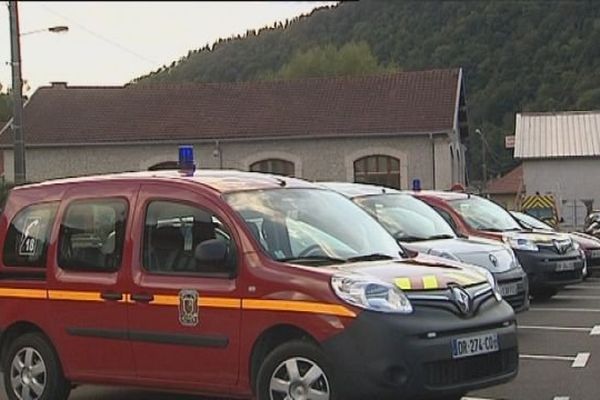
(509, 290)
(595, 254)
(565, 266)
(475, 345)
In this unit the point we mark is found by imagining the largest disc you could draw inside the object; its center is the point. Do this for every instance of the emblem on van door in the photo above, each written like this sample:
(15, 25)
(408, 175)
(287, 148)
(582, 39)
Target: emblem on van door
(462, 299)
(188, 307)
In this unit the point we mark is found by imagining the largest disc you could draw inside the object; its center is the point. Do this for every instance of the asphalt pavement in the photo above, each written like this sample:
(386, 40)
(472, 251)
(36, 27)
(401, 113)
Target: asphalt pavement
(559, 343)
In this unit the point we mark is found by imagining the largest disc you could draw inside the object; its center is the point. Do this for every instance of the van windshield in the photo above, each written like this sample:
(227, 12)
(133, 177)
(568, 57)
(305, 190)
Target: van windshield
(407, 218)
(312, 226)
(485, 215)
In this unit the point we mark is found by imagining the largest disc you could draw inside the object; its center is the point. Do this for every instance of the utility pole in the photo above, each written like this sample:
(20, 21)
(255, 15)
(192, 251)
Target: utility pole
(17, 91)
(483, 160)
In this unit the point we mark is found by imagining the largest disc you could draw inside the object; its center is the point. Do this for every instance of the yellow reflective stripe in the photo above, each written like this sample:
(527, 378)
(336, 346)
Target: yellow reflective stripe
(218, 302)
(24, 293)
(211, 302)
(463, 279)
(430, 282)
(403, 283)
(165, 300)
(75, 296)
(298, 306)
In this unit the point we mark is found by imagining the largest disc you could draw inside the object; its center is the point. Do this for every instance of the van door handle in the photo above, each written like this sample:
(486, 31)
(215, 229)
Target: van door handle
(142, 297)
(111, 296)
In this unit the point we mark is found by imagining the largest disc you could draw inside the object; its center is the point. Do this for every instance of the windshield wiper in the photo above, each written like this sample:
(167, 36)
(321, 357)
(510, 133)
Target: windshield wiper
(370, 257)
(313, 259)
(442, 236)
(409, 238)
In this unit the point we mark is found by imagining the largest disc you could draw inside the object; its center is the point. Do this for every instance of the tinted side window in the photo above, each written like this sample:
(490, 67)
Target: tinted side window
(172, 233)
(92, 234)
(27, 238)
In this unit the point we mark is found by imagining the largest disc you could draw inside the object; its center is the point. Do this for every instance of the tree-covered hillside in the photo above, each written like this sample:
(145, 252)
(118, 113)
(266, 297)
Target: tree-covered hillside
(516, 55)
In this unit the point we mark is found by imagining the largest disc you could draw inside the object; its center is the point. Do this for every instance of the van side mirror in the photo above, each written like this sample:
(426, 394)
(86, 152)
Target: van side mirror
(211, 251)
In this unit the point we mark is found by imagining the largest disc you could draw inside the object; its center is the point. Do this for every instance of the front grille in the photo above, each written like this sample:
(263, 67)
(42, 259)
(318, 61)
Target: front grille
(453, 372)
(517, 301)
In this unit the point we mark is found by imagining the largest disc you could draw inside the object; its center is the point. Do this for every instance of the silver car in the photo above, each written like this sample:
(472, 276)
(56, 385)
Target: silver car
(418, 227)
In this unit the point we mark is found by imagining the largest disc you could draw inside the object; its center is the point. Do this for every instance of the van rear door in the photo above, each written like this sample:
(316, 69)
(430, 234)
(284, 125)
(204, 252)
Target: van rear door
(86, 285)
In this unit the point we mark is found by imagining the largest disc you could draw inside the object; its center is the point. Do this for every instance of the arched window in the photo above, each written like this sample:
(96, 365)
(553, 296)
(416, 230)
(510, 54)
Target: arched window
(274, 166)
(164, 165)
(378, 169)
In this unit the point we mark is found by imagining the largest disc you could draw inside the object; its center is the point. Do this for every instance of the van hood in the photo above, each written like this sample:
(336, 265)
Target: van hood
(489, 254)
(423, 272)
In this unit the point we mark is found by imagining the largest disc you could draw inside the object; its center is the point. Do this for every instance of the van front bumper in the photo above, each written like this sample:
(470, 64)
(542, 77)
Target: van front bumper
(384, 356)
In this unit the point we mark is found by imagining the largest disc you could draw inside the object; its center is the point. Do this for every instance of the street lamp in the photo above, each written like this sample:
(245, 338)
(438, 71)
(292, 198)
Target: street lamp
(53, 29)
(17, 87)
(483, 160)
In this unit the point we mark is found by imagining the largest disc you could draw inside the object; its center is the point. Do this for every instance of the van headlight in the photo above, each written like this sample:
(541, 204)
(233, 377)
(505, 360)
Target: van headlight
(520, 243)
(493, 283)
(370, 294)
(491, 280)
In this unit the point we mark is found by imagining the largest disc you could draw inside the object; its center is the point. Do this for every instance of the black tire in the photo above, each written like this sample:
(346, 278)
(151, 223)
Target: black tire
(544, 294)
(296, 349)
(55, 386)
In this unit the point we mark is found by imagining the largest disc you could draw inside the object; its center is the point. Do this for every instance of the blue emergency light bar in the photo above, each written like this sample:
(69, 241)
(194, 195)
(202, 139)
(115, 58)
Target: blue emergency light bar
(416, 185)
(186, 160)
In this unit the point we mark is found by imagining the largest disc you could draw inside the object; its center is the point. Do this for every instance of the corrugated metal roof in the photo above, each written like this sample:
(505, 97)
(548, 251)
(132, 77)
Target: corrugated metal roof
(563, 134)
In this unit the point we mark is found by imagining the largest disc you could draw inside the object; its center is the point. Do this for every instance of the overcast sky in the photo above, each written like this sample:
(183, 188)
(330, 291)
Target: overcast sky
(112, 43)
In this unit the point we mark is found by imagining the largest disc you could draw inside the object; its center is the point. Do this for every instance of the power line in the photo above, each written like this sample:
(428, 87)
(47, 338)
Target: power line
(101, 37)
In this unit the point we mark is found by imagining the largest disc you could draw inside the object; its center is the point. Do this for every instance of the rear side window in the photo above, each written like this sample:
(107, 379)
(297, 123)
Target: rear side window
(27, 238)
(92, 234)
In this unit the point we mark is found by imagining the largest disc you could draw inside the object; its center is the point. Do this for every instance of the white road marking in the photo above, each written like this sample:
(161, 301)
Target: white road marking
(595, 331)
(581, 360)
(561, 398)
(545, 357)
(557, 328)
(478, 398)
(593, 287)
(590, 310)
(576, 297)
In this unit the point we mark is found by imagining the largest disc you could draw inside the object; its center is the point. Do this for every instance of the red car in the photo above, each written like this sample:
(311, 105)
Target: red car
(551, 260)
(234, 284)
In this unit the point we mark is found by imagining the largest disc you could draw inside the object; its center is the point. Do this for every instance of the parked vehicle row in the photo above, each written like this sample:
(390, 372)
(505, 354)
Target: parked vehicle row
(247, 285)
(551, 260)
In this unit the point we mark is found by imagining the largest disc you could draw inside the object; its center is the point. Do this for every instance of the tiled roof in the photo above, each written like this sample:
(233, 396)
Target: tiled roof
(563, 134)
(399, 103)
(510, 183)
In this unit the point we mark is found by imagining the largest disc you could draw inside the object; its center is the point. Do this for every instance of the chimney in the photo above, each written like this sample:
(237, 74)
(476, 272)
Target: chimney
(58, 85)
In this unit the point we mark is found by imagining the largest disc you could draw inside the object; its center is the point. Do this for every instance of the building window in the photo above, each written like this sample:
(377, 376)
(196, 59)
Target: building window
(92, 235)
(164, 166)
(274, 166)
(378, 169)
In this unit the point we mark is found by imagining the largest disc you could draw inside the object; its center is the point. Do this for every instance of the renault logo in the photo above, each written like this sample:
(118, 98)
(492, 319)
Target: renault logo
(494, 260)
(562, 245)
(462, 299)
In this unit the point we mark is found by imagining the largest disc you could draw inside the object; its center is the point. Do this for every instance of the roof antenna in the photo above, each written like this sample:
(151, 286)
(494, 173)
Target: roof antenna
(281, 182)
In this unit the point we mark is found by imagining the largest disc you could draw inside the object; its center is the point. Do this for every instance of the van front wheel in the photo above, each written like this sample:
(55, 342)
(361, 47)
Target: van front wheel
(296, 370)
(32, 370)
